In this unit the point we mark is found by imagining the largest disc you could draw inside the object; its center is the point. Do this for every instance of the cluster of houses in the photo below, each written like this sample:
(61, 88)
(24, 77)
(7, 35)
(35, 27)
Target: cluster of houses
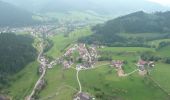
(142, 66)
(87, 54)
(83, 96)
(41, 84)
(45, 62)
(118, 65)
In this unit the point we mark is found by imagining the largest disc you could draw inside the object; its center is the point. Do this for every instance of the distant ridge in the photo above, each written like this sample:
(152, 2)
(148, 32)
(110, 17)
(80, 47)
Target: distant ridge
(13, 16)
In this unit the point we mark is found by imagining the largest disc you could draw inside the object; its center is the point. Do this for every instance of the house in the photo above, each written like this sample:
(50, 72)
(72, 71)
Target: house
(79, 66)
(41, 84)
(117, 63)
(67, 64)
(83, 96)
(143, 64)
(41, 69)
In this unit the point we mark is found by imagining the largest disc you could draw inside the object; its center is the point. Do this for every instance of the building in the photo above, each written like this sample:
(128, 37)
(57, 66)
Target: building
(117, 63)
(83, 96)
(143, 64)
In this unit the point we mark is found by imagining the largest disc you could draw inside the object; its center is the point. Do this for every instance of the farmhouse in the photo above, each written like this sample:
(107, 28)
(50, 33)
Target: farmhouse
(67, 64)
(118, 65)
(82, 96)
(143, 64)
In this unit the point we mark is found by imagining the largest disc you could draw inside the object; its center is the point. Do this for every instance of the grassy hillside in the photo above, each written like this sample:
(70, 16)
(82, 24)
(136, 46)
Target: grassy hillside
(23, 82)
(18, 69)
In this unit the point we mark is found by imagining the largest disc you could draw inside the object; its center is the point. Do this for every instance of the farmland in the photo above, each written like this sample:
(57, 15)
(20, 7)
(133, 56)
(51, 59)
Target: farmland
(103, 82)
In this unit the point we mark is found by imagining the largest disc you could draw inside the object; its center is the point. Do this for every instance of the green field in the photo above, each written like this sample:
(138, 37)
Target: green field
(104, 83)
(142, 35)
(161, 75)
(73, 16)
(59, 80)
(126, 49)
(156, 42)
(100, 81)
(23, 82)
(165, 51)
(61, 43)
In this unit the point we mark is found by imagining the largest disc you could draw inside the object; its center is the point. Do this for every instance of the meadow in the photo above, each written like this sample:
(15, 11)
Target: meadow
(61, 42)
(23, 82)
(103, 82)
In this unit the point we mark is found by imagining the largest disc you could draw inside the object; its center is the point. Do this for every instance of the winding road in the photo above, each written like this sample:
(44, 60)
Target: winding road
(42, 75)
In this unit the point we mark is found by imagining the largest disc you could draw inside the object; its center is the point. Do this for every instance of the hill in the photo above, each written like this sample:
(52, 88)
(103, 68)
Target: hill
(138, 23)
(14, 16)
(116, 7)
(16, 52)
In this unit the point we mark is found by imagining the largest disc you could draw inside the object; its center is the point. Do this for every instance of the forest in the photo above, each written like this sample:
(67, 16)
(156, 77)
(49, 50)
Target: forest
(136, 23)
(16, 52)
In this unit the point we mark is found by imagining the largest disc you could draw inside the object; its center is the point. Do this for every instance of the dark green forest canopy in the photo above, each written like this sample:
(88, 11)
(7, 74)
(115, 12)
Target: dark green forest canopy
(16, 51)
(138, 22)
(134, 23)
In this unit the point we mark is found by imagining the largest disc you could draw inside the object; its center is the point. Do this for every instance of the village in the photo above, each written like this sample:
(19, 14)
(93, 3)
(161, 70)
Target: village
(89, 58)
(77, 56)
(48, 29)
(85, 59)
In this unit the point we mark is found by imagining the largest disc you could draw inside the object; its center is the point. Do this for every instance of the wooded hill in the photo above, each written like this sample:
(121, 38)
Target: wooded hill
(134, 23)
(16, 52)
(13, 16)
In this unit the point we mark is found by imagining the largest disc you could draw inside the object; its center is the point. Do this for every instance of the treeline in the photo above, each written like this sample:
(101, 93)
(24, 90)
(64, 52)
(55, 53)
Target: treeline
(16, 51)
(136, 23)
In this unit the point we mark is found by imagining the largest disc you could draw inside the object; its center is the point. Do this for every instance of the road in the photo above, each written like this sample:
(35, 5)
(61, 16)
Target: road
(42, 75)
(79, 81)
(131, 72)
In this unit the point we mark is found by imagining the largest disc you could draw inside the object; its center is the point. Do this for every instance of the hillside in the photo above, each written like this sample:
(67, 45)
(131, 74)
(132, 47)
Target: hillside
(99, 6)
(13, 16)
(16, 52)
(138, 23)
